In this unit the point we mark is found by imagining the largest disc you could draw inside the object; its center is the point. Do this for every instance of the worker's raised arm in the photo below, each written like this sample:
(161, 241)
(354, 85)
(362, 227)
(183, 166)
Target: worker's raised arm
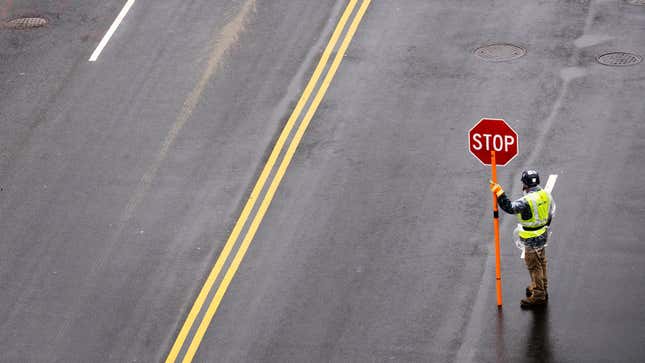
(506, 204)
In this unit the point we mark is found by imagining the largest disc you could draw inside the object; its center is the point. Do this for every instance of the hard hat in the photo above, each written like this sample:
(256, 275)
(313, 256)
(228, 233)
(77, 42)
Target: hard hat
(530, 178)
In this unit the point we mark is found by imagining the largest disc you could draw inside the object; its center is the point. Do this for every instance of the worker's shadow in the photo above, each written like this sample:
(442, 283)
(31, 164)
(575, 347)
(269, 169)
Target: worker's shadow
(538, 348)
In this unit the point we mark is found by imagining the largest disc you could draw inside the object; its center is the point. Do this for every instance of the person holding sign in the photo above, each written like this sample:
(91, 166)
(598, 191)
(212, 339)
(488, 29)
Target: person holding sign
(534, 213)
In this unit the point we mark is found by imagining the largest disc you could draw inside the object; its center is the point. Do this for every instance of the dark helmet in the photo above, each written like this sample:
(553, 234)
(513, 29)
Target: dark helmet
(530, 178)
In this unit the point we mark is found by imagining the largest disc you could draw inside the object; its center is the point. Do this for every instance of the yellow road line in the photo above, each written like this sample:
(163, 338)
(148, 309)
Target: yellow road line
(230, 273)
(259, 185)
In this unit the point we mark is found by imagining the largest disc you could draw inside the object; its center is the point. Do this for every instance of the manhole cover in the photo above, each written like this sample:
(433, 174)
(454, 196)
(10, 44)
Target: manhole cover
(500, 52)
(619, 59)
(25, 23)
(636, 2)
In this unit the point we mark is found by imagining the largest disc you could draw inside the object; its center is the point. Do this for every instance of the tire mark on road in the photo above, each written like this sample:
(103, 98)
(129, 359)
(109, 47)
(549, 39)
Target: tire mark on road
(226, 39)
(221, 43)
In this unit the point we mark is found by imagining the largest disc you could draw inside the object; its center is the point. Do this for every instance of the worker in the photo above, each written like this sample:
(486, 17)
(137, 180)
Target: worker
(534, 212)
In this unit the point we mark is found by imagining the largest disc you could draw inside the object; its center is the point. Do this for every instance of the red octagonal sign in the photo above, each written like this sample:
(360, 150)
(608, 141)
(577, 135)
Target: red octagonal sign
(493, 134)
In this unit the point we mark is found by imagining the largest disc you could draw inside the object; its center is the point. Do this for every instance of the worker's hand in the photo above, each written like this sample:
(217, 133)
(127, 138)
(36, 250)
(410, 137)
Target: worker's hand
(496, 188)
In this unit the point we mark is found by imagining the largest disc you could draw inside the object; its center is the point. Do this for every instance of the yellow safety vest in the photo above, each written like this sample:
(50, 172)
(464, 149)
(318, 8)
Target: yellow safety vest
(540, 203)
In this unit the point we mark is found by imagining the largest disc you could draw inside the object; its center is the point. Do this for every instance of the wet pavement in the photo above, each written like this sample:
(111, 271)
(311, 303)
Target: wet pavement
(122, 180)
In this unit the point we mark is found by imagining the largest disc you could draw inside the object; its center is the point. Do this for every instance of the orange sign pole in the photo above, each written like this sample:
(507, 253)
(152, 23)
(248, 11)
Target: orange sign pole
(498, 268)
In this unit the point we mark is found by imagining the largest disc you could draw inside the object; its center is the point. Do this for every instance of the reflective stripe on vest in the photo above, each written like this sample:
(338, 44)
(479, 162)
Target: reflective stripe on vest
(540, 204)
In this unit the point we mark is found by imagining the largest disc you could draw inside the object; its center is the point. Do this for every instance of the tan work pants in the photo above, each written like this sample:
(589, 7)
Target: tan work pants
(536, 264)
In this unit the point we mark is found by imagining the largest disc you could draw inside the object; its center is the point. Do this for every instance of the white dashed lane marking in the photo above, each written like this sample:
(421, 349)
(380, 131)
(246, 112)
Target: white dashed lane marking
(111, 30)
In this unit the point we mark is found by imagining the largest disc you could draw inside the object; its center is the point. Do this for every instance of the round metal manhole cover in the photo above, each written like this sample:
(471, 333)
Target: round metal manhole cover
(636, 2)
(619, 59)
(500, 52)
(25, 23)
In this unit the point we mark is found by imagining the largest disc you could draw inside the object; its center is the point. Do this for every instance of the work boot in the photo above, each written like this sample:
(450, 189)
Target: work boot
(531, 302)
(529, 292)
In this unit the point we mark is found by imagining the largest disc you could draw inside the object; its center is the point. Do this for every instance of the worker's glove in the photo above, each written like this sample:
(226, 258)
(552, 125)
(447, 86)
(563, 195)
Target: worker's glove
(496, 188)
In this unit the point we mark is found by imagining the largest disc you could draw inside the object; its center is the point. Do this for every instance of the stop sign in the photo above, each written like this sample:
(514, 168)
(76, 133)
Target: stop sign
(493, 134)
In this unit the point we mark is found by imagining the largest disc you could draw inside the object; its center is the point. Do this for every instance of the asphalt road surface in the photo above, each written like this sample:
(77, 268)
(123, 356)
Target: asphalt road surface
(174, 200)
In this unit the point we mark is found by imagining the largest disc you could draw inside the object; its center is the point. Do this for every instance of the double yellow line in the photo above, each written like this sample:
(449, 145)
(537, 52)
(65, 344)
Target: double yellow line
(259, 185)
